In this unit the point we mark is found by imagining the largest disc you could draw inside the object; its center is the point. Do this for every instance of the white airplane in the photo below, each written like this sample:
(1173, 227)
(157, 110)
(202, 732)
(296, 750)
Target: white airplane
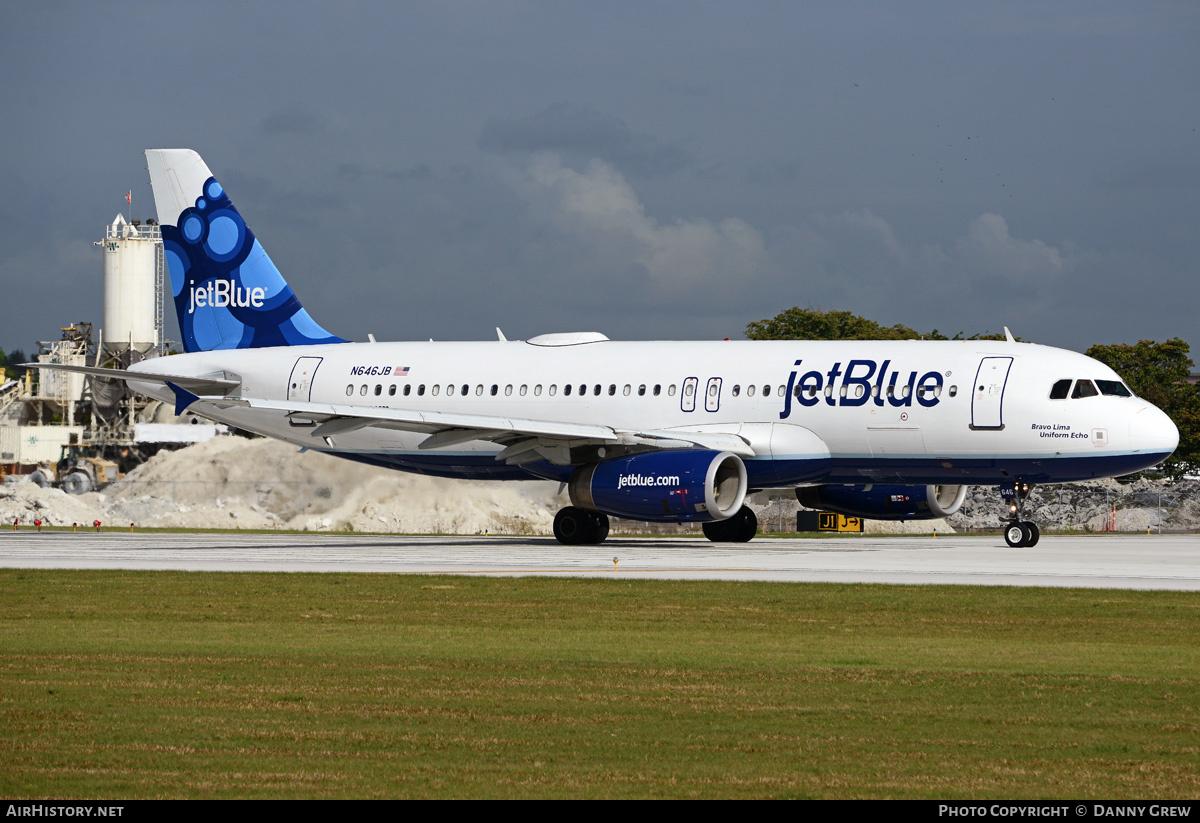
(653, 431)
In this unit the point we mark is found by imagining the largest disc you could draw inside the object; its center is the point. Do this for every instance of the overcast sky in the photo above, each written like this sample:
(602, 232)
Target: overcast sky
(647, 170)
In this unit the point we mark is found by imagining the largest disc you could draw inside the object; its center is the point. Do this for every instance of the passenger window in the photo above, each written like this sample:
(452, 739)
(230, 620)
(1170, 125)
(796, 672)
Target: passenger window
(688, 389)
(1083, 388)
(465, 390)
(407, 390)
(596, 391)
(1060, 390)
(363, 390)
(495, 389)
(378, 389)
(875, 390)
(508, 391)
(479, 390)
(612, 389)
(712, 390)
(829, 390)
(796, 391)
(421, 390)
(766, 391)
(670, 390)
(642, 390)
(953, 391)
(524, 388)
(657, 389)
(736, 390)
(750, 391)
(628, 388)
(567, 389)
(553, 389)
(434, 389)
(350, 390)
(906, 392)
(392, 390)
(842, 391)
(537, 390)
(583, 388)
(450, 390)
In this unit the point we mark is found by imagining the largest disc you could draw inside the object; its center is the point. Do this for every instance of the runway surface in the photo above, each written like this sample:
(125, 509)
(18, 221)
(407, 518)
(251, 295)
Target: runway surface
(1094, 561)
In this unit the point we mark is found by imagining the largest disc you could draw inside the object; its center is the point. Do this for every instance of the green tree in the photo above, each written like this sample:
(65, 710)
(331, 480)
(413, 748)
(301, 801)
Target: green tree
(1158, 372)
(810, 324)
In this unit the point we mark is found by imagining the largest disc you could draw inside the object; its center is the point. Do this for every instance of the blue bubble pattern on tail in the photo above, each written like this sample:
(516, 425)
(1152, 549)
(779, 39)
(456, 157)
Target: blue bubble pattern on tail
(228, 293)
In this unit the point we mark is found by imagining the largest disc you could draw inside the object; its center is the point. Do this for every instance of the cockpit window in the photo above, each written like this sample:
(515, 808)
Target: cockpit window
(1060, 390)
(1114, 388)
(1084, 388)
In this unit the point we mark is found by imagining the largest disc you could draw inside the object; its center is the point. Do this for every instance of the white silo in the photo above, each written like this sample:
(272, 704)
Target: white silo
(132, 265)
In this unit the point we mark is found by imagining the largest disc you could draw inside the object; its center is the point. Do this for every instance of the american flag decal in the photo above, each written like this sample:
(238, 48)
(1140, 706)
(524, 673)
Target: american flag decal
(402, 371)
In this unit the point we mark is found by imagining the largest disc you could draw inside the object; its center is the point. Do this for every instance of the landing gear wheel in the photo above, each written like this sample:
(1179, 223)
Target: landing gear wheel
(1014, 535)
(574, 526)
(1032, 534)
(597, 528)
(570, 525)
(740, 528)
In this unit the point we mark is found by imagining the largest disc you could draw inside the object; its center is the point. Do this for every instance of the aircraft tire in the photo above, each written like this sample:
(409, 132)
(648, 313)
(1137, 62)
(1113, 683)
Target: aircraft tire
(740, 528)
(717, 531)
(1033, 534)
(1015, 535)
(744, 525)
(598, 528)
(572, 525)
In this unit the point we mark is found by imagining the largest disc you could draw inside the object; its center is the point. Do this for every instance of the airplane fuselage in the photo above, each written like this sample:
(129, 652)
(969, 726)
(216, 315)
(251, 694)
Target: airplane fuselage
(813, 412)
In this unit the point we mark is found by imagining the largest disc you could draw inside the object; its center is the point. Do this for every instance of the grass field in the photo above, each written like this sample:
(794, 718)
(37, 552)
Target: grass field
(162, 684)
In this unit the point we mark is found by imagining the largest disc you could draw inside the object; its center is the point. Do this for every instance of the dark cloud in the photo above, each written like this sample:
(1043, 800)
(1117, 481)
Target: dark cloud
(584, 133)
(292, 122)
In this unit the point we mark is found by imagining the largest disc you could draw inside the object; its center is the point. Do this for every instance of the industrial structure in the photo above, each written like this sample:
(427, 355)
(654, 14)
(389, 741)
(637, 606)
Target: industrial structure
(55, 424)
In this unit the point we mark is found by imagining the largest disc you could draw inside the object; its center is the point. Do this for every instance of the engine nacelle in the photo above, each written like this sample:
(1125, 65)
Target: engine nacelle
(678, 485)
(885, 502)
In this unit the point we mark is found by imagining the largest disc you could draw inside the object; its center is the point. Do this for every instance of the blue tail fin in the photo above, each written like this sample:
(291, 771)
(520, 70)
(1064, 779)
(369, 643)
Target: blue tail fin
(228, 293)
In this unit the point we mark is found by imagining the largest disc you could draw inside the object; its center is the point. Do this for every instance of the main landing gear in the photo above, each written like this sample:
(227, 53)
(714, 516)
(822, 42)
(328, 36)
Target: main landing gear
(740, 528)
(574, 526)
(1019, 533)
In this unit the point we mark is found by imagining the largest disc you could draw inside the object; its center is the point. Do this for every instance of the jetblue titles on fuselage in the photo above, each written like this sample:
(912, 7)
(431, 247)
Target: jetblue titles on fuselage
(864, 381)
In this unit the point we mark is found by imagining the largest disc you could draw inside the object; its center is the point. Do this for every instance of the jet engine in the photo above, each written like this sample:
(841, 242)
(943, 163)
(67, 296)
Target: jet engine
(677, 485)
(885, 502)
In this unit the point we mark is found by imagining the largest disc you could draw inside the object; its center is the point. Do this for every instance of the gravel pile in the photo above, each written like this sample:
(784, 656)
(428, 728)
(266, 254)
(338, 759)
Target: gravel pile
(235, 483)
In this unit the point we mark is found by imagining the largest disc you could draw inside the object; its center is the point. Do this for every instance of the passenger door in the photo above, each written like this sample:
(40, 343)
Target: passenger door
(987, 398)
(300, 382)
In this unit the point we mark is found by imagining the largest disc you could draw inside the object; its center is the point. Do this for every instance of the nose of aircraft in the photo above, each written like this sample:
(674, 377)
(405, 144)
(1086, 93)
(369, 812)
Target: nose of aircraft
(1152, 432)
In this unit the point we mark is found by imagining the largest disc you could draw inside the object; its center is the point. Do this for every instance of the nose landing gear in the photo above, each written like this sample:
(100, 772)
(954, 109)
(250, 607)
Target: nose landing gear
(1019, 533)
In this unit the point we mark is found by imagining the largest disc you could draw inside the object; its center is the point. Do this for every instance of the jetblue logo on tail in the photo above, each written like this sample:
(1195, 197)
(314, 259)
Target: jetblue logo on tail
(228, 293)
(222, 293)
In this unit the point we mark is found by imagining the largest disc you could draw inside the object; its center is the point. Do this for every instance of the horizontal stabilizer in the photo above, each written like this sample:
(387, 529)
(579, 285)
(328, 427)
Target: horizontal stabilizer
(209, 384)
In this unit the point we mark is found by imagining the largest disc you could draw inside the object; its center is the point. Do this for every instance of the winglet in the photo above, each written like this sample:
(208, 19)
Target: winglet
(1008, 335)
(183, 398)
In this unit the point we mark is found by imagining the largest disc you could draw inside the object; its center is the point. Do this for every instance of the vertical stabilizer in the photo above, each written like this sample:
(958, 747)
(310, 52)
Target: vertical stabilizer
(228, 294)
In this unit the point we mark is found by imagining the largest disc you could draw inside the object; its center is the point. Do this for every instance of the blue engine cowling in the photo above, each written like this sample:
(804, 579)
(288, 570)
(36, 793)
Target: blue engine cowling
(885, 502)
(679, 485)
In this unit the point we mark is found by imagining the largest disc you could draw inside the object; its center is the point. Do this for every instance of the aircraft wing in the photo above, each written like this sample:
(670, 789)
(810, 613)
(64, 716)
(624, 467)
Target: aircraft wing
(525, 440)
